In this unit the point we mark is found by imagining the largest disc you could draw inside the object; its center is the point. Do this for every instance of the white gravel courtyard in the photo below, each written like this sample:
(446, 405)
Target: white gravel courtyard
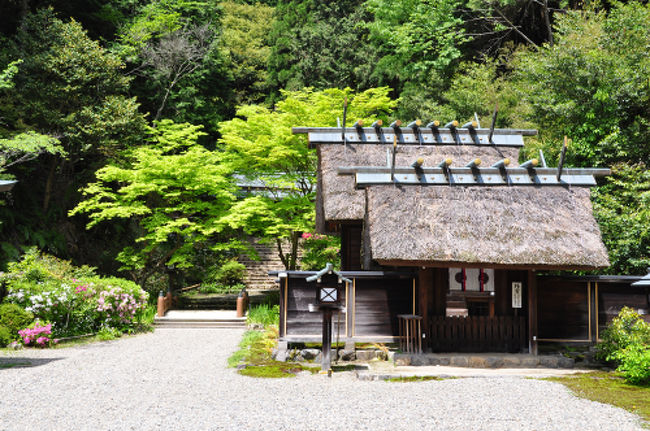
(176, 379)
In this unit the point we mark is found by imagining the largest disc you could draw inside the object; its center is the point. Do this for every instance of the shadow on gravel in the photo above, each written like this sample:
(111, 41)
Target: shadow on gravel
(6, 363)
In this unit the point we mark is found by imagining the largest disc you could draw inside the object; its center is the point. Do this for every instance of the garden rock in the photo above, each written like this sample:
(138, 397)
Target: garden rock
(309, 354)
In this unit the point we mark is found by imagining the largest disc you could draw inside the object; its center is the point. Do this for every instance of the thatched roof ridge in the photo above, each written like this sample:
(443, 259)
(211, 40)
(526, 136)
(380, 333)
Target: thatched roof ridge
(550, 227)
(341, 201)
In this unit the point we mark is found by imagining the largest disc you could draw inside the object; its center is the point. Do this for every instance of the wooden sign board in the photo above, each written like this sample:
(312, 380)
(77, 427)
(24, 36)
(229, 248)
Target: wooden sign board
(516, 294)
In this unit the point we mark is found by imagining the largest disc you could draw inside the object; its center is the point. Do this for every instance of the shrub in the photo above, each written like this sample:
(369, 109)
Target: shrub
(6, 336)
(318, 250)
(14, 318)
(230, 273)
(626, 342)
(626, 329)
(635, 364)
(37, 334)
(75, 300)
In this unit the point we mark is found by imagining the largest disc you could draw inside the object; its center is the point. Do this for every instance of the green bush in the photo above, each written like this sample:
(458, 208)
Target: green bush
(626, 329)
(626, 342)
(14, 318)
(635, 364)
(318, 250)
(230, 273)
(75, 300)
(5, 336)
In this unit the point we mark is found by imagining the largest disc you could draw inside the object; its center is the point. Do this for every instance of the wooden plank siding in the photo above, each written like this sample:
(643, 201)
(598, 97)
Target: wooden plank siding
(377, 304)
(372, 306)
(476, 334)
(611, 297)
(563, 310)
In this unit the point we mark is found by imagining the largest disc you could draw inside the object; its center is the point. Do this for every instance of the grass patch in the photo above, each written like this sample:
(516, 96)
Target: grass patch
(14, 364)
(611, 389)
(407, 379)
(255, 350)
(264, 315)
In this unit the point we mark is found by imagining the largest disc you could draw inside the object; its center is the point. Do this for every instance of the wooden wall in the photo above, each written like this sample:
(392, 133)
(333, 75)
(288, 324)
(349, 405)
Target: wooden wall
(563, 310)
(578, 310)
(372, 306)
(614, 296)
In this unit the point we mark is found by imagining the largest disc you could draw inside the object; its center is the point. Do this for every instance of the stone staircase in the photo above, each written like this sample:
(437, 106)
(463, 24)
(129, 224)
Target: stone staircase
(257, 277)
(174, 319)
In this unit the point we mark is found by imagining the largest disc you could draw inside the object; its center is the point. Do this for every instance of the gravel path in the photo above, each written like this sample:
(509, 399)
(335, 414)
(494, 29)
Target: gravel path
(175, 379)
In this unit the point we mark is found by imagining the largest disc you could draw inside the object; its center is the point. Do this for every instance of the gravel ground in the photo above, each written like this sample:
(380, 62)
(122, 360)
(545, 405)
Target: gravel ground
(176, 379)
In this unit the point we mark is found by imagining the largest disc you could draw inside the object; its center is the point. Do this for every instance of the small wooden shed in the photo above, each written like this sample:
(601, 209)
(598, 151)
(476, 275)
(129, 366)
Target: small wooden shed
(443, 225)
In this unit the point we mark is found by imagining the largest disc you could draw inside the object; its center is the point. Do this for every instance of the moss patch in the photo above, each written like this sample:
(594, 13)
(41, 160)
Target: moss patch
(417, 379)
(255, 354)
(611, 389)
(274, 369)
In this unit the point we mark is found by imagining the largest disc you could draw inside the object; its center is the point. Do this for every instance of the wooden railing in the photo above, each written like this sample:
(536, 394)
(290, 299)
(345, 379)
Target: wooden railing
(476, 334)
(164, 303)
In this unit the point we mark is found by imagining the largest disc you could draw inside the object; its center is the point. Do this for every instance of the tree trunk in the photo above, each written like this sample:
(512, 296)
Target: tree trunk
(547, 20)
(293, 258)
(282, 256)
(48, 185)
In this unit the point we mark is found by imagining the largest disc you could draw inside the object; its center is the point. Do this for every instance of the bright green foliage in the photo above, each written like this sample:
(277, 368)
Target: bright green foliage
(593, 86)
(264, 315)
(244, 43)
(260, 146)
(626, 341)
(230, 273)
(318, 250)
(14, 318)
(175, 190)
(7, 75)
(6, 336)
(626, 329)
(26, 146)
(320, 44)
(635, 364)
(415, 38)
(622, 208)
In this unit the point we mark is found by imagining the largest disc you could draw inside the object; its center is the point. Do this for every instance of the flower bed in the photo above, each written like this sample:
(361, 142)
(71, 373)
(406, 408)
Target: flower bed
(70, 301)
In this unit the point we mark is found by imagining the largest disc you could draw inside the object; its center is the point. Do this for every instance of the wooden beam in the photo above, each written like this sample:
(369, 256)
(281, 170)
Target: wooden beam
(457, 264)
(532, 312)
(300, 130)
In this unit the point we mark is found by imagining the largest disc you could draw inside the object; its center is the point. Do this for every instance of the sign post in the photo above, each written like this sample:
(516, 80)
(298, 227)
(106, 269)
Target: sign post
(328, 299)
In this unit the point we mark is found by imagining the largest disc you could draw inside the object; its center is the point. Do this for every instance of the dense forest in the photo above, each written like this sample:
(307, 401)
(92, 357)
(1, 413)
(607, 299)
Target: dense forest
(128, 123)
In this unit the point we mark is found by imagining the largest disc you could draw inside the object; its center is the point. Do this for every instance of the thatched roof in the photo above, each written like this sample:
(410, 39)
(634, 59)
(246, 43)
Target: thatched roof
(549, 227)
(337, 195)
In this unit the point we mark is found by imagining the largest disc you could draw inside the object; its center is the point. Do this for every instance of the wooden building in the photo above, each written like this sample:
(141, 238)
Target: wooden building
(441, 225)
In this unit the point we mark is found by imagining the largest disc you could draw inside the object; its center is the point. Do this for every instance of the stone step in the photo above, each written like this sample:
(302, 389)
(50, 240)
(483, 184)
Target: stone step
(484, 360)
(200, 319)
(199, 325)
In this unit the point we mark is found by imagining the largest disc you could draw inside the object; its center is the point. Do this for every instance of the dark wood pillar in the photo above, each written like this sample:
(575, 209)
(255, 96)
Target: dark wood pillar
(532, 312)
(440, 287)
(425, 293)
(593, 312)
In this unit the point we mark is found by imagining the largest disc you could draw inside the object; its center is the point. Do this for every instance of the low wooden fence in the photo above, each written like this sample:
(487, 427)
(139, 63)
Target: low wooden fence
(476, 334)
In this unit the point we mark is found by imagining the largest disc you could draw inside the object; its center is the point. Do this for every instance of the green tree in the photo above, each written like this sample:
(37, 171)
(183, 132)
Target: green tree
(175, 190)
(592, 85)
(320, 44)
(26, 146)
(171, 47)
(622, 207)
(244, 43)
(260, 146)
